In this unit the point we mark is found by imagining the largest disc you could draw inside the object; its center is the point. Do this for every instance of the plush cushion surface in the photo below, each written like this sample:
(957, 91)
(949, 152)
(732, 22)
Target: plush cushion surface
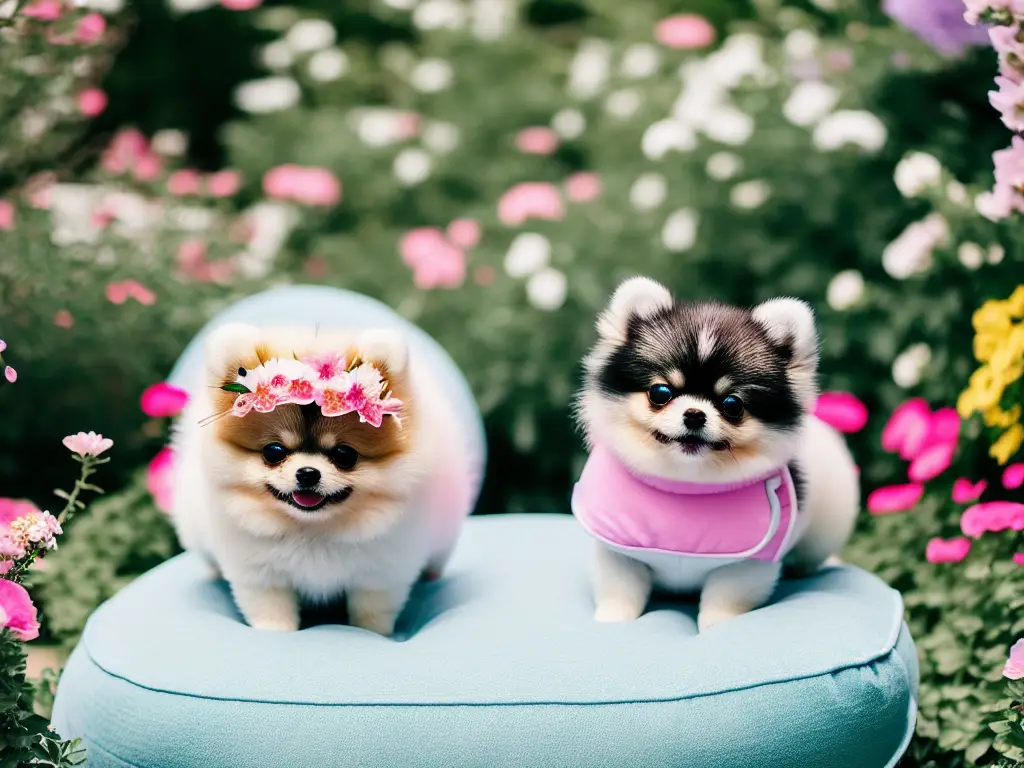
(498, 664)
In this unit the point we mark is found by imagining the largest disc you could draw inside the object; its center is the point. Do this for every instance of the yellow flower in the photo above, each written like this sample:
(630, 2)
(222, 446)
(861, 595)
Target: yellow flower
(1008, 444)
(966, 404)
(1012, 373)
(1016, 340)
(997, 417)
(1002, 359)
(987, 388)
(992, 317)
(1016, 302)
(985, 345)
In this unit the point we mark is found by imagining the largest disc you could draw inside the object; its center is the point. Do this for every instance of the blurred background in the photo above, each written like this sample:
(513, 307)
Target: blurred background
(491, 169)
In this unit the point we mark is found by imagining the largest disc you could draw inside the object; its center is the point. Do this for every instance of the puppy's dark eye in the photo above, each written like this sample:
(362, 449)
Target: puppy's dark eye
(732, 407)
(274, 453)
(660, 395)
(343, 456)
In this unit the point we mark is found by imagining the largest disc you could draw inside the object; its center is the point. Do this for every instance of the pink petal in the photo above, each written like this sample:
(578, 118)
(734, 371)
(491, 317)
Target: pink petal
(140, 293)
(420, 244)
(18, 611)
(6, 215)
(63, 319)
(964, 491)
(162, 400)
(947, 551)
(117, 293)
(160, 480)
(931, 462)
(1018, 558)
(45, 10)
(907, 428)
(894, 498)
(992, 517)
(1014, 669)
(464, 233)
(10, 374)
(185, 182)
(537, 141)
(90, 29)
(944, 427)
(12, 509)
(841, 410)
(92, 102)
(148, 167)
(583, 187)
(1013, 477)
(224, 183)
(685, 31)
(191, 253)
(241, 5)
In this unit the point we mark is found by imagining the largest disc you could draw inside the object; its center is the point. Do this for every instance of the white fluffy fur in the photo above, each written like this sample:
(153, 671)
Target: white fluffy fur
(271, 570)
(636, 297)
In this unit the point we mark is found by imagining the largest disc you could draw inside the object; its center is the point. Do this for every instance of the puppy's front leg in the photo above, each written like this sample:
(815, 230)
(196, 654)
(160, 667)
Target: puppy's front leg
(735, 589)
(377, 609)
(273, 608)
(622, 585)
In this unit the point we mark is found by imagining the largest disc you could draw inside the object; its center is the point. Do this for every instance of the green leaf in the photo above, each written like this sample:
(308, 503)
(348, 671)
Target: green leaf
(977, 749)
(236, 387)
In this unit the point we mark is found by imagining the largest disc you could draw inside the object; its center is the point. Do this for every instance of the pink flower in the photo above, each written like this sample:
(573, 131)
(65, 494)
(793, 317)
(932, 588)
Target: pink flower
(311, 186)
(116, 293)
(148, 167)
(1018, 558)
(435, 262)
(894, 498)
(530, 200)
(3, 346)
(17, 613)
(931, 462)
(964, 491)
(241, 5)
(63, 319)
(160, 480)
(842, 411)
(537, 140)
(944, 427)
(44, 10)
(119, 293)
(90, 29)
(976, 8)
(1013, 477)
(1014, 667)
(12, 509)
(191, 253)
(327, 366)
(184, 182)
(224, 183)
(161, 400)
(125, 150)
(408, 125)
(992, 517)
(907, 428)
(1010, 50)
(10, 374)
(92, 102)
(87, 444)
(1009, 100)
(583, 187)
(686, 31)
(6, 215)
(464, 233)
(1009, 164)
(947, 551)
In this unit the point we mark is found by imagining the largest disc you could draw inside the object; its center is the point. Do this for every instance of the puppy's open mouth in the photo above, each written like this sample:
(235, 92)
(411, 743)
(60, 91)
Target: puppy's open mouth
(309, 501)
(691, 444)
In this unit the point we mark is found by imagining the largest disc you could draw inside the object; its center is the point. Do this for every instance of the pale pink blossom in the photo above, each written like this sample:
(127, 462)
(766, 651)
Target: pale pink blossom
(1009, 101)
(976, 9)
(1010, 50)
(1013, 477)
(17, 613)
(361, 392)
(931, 462)
(116, 293)
(311, 186)
(685, 31)
(894, 498)
(842, 410)
(583, 187)
(161, 400)
(1014, 667)
(6, 215)
(537, 140)
(530, 200)
(87, 443)
(464, 233)
(191, 253)
(10, 374)
(992, 517)
(947, 550)
(125, 150)
(160, 480)
(92, 102)
(44, 10)
(964, 491)
(140, 293)
(184, 182)
(148, 167)
(34, 527)
(326, 366)
(435, 262)
(241, 5)
(63, 319)
(3, 346)
(224, 183)
(90, 29)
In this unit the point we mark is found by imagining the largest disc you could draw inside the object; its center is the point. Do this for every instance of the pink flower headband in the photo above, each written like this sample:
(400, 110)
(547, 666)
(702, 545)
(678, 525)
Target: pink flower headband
(327, 381)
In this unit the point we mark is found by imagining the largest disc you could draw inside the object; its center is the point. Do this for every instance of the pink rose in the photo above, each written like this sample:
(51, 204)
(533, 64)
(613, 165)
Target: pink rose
(894, 498)
(44, 10)
(160, 480)
(537, 141)
(148, 167)
(947, 551)
(127, 146)
(191, 253)
(224, 183)
(182, 183)
(161, 400)
(685, 31)
(583, 187)
(435, 262)
(90, 29)
(92, 102)
(464, 233)
(842, 411)
(12, 509)
(530, 200)
(17, 613)
(311, 186)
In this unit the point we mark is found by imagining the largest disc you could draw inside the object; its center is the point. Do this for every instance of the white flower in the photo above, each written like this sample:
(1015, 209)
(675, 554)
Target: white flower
(440, 138)
(378, 126)
(569, 123)
(109, 7)
(801, 44)
(276, 56)
(957, 193)
(845, 290)
(272, 223)
(701, 95)
(910, 364)
(189, 6)
(170, 143)
(648, 191)
(971, 255)
(528, 253)
(680, 230)
(588, 70)
(850, 126)
(327, 65)
(723, 166)
(270, 94)
(493, 18)
(664, 135)
(728, 125)
(546, 289)
(916, 172)
(439, 14)
(400, 5)
(809, 102)
(190, 218)
(34, 124)
(71, 209)
(640, 60)
(741, 55)
(911, 252)
(412, 166)
(623, 104)
(432, 75)
(996, 254)
(750, 194)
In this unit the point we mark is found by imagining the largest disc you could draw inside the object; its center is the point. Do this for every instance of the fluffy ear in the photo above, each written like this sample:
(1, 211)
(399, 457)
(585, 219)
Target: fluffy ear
(637, 297)
(790, 324)
(227, 345)
(386, 347)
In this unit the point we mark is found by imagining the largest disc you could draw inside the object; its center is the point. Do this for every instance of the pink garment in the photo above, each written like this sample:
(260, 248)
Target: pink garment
(751, 519)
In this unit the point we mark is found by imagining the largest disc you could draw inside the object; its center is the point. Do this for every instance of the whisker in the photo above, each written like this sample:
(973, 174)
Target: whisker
(205, 422)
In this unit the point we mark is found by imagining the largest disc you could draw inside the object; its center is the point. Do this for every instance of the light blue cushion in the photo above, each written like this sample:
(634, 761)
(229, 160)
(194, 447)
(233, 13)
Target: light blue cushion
(499, 664)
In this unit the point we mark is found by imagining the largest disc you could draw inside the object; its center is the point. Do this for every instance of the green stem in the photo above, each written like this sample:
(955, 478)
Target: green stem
(87, 469)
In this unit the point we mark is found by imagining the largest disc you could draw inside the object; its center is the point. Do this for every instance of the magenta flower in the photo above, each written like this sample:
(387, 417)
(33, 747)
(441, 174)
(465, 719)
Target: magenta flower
(841, 410)
(464, 233)
(162, 400)
(1013, 477)
(947, 550)
(931, 462)
(12, 509)
(685, 32)
(10, 374)
(583, 187)
(310, 186)
(940, 23)
(17, 613)
(894, 498)
(87, 443)
(92, 102)
(964, 491)
(907, 428)
(1018, 558)
(537, 140)
(90, 29)
(160, 480)
(6, 215)
(1014, 668)
(224, 183)
(530, 200)
(992, 517)
(241, 5)
(184, 182)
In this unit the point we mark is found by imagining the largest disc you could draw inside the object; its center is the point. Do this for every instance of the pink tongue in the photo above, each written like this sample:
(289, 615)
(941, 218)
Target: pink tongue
(304, 499)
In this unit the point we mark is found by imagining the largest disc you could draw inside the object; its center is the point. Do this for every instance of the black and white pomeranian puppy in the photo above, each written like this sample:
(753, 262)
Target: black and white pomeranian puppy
(707, 471)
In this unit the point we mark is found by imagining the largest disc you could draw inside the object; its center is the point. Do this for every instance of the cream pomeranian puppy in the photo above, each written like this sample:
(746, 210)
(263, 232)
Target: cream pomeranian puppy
(312, 464)
(707, 471)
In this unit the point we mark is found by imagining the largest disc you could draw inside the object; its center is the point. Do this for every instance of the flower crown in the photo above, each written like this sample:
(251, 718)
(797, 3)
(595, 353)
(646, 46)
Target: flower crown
(336, 386)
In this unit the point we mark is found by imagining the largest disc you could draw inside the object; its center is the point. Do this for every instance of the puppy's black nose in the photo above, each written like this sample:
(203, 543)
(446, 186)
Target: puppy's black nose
(693, 418)
(307, 477)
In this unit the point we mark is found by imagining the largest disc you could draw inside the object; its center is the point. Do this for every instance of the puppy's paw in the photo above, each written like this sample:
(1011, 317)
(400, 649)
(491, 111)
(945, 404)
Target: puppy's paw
(709, 616)
(385, 347)
(268, 608)
(610, 611)
(272, 624)
(375, 610)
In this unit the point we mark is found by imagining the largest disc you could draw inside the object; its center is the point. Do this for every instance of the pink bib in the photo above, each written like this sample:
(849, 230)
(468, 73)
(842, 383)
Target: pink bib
(752, 519)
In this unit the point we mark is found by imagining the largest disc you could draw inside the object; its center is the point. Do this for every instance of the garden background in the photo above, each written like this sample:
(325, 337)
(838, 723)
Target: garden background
(491, 169)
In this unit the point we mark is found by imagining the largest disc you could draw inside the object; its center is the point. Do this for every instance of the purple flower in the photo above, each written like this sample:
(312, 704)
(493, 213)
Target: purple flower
(940, 23)
(1009, 100)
